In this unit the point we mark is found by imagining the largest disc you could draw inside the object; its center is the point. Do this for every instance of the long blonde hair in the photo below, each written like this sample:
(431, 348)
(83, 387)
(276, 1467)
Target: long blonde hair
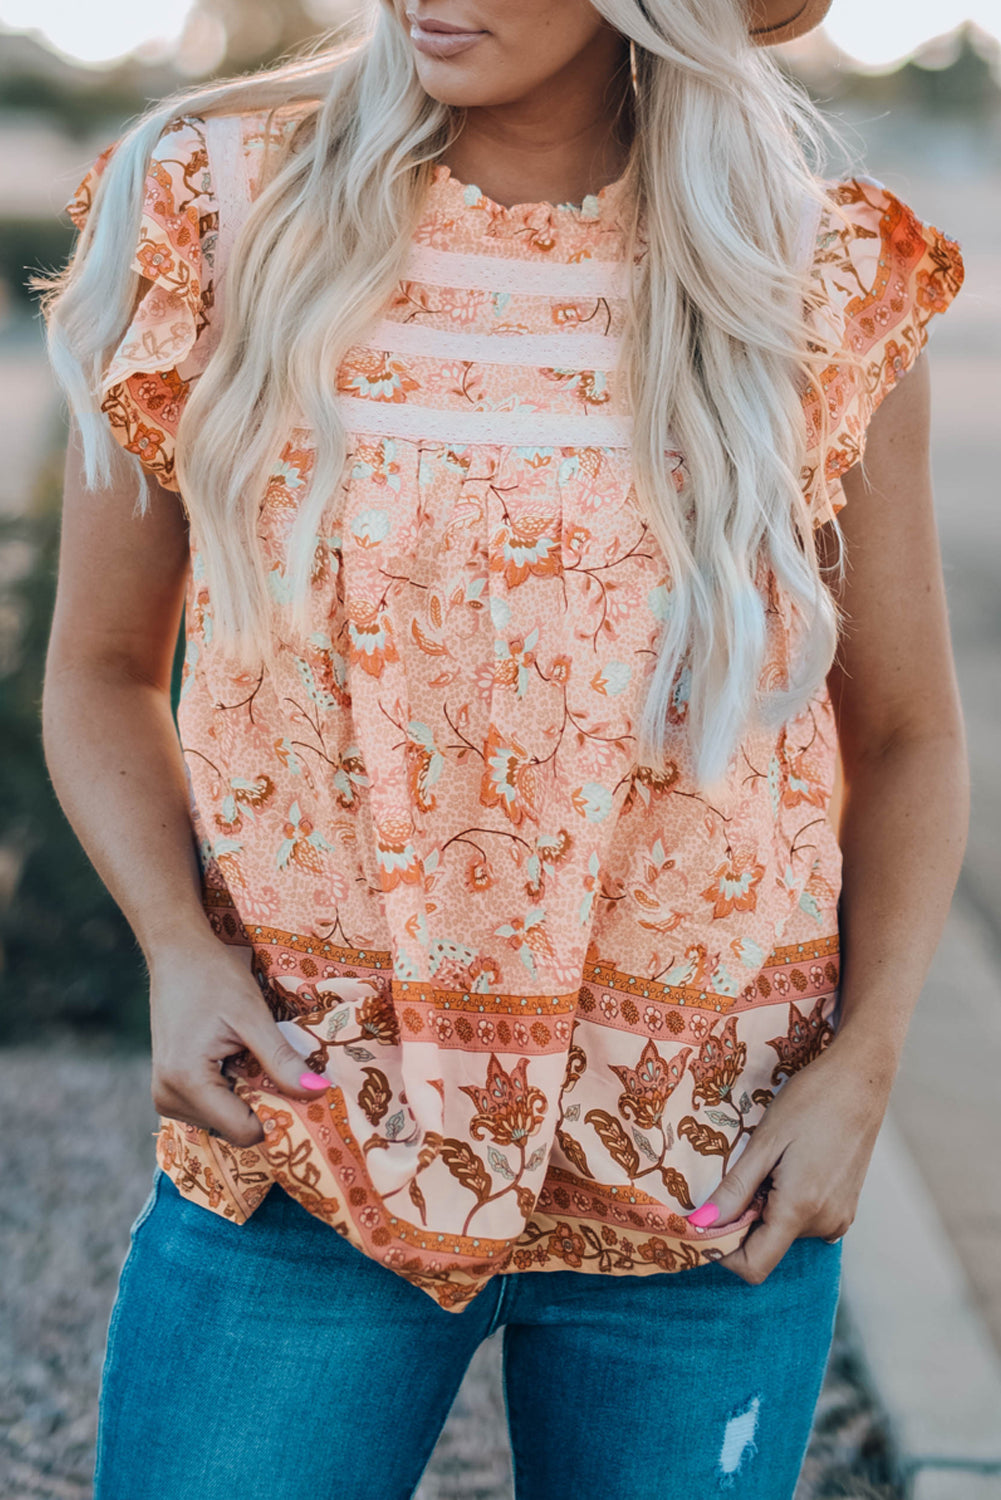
(716, 354)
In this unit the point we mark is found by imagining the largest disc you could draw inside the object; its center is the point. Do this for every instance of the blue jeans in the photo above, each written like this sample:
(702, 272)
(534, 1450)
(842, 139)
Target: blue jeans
(222, 1378)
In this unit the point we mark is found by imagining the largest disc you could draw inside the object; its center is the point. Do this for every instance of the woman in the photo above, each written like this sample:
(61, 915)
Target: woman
(503, 394)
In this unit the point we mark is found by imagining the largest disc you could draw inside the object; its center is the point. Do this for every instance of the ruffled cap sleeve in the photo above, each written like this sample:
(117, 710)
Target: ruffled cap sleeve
(164, 347)
(884, 273)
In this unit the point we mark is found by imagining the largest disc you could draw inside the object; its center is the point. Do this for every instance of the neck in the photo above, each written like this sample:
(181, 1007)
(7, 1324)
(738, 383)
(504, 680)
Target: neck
(558, 143)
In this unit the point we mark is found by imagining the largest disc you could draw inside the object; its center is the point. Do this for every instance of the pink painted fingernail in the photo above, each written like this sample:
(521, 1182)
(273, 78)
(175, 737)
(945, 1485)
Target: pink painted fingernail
(312, 1081)
(704, 1216)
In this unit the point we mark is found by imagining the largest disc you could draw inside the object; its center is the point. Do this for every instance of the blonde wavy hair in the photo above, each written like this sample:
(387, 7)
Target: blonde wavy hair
(717, 353)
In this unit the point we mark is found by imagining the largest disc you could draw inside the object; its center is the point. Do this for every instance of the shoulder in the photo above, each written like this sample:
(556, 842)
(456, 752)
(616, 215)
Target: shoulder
(180, 161)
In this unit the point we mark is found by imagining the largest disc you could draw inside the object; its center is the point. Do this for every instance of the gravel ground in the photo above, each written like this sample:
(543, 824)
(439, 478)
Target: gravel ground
(76, 1126)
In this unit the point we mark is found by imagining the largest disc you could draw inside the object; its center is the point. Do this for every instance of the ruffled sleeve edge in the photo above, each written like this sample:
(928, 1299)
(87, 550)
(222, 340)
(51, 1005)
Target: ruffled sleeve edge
(887, 273)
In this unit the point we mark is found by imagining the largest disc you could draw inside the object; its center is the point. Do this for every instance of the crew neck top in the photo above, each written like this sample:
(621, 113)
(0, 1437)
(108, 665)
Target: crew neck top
(552, 990)
(448, 188)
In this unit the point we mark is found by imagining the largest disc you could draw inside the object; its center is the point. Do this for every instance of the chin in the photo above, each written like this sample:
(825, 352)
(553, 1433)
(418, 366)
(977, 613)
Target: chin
(450, 83)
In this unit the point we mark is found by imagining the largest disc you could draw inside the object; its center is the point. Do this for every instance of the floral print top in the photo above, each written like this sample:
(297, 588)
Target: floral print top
(552, 990)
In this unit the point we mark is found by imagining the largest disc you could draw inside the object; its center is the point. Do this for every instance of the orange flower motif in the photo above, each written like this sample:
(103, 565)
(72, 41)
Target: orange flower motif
(508, 1109)
(377, 1019)
(657, 782)
(509, 778)
(566, 1245)
(735, 885)
(399, 863)
(478, 876)
(805, 1039)
(525, 548)
(370, 637)
(804, 783)
(376, 376)
(930, 291)
(896, 359)
(155, 259)
(719, 1064)
(275, 1123)
(659, 1253)
(147, 444)
(649, 1085)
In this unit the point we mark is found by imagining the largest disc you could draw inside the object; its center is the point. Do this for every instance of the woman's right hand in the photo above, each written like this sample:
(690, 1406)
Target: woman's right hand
(205, 1005)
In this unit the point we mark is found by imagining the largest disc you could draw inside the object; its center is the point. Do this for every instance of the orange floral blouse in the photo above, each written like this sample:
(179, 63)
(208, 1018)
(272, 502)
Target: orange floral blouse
(553, 991)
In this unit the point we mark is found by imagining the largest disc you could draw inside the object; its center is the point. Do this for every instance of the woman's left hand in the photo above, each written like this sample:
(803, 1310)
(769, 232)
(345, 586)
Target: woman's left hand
(815, 1139)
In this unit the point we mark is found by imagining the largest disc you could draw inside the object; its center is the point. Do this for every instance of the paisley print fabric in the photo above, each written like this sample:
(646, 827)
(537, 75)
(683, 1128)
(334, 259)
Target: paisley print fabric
(552, 990)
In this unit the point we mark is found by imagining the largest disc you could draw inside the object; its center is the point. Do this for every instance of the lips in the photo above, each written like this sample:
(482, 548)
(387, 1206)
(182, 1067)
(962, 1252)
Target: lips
(440, 38)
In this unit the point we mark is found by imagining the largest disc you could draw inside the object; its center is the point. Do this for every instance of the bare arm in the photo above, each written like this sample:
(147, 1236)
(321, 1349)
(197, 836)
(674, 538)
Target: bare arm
(900, 728)
(903, 831)
(115, 761)
(110, 742)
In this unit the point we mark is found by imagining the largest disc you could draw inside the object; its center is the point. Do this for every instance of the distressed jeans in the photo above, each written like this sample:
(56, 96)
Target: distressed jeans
(226, 1379)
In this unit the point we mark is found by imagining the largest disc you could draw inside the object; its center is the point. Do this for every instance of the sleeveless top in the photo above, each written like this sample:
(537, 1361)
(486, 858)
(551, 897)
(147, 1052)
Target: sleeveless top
(552, 990)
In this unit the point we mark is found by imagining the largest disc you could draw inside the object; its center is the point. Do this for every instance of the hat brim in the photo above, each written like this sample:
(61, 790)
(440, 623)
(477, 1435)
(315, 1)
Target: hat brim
(778, 25)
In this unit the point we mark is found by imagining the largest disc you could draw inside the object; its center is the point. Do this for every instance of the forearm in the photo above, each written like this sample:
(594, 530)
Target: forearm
(903, 832)
(115, 763)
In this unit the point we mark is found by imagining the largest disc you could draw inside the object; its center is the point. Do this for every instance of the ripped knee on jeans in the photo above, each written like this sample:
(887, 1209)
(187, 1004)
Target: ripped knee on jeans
(738, 1441)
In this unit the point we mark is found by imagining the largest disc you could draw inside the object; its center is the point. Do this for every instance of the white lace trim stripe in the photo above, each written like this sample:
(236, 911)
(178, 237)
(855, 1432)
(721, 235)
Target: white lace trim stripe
(563, 351)
(516, 429)
(497, 273)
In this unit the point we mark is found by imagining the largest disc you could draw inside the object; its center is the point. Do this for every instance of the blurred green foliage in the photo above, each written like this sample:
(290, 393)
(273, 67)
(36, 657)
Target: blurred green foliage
(70, 959)
(28, 246)
(80, 111)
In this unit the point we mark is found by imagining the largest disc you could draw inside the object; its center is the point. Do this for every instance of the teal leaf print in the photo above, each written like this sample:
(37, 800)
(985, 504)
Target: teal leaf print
(448, 950)
(536, 1159)
(319, 695)
(723, 981)
(613, 678)
(404, 966)
(190, 660)
(394, 1125)
(370, 527)
(593, 801)
(500, 1164)
(226, 846)
(659, 601)
(279, 586)
(643, 1143)
(528, 959)
(719, 1118)
(288, 475)
(286, 754)
(591, 887)
(335, 1023)
(810, 905)
(359, 1054)
(749, 952)
(500, 612)
(744, 1104)
(682, 690)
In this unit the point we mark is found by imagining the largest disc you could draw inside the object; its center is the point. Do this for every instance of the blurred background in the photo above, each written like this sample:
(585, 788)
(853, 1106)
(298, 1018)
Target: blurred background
(918, 88)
